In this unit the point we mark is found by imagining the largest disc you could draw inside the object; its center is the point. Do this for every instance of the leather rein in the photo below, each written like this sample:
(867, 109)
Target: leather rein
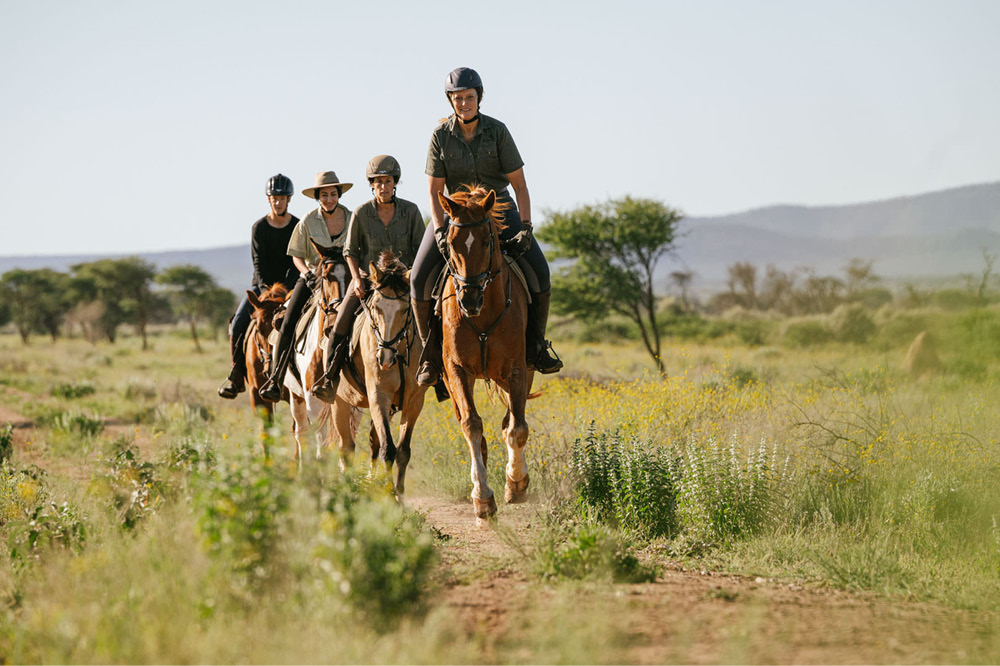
(481, 282)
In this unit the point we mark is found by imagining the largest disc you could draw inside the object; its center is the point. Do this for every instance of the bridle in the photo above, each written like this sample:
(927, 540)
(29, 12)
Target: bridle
(403, 334)
(400, 358)
(330, 307)
(480, 282)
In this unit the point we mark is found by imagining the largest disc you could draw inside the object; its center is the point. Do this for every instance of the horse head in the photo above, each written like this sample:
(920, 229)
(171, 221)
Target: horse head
(388, 307)
(474, 244)
(333, 272)
(267, 308)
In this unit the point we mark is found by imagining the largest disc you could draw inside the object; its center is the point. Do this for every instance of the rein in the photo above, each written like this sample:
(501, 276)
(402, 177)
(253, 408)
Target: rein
(481, 282)
(392, 344)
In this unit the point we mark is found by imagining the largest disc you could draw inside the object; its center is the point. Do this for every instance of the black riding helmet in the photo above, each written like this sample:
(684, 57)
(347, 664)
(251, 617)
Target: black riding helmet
(279, 186)
(463, 78)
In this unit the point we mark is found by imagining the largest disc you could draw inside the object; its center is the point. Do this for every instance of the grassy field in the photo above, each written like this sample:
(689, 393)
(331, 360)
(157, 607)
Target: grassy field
(141, 524)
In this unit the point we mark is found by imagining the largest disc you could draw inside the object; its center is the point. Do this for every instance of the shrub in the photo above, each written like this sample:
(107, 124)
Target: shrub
(723, 495)
(374, 553)
(591, 552)
(71, 391)
(31, 519)
(132, 486)
(851, 323)
(76, 422)
(6, 443)
(630, 485)
(806, 333)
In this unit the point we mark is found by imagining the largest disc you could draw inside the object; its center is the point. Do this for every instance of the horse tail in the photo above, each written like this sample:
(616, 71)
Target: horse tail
(536, 394)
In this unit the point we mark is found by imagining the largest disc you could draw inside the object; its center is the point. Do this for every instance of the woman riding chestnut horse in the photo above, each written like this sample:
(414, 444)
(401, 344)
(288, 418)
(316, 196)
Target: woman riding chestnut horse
(470, 147)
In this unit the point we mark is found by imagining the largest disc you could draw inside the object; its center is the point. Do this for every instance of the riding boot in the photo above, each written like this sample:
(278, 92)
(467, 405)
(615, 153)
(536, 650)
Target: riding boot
(326, 387)
(281, 356)
(538, 348)
(236, 382)
(429, 373)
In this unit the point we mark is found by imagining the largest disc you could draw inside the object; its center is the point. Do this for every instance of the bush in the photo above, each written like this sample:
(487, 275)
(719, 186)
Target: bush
(71, 391)
(806, 333)
(630, 485)
(591, 552)
(76, 422)
(6, 443)
(851, 323)
(31, 519)
(724, 496)
(373, 553)
(132, 486)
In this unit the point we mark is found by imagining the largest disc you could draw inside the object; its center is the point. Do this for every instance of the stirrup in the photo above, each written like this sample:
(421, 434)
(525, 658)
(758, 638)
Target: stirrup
(230, 389)
(270, 391)
(428, 374)
(326, 389)
(546, 363)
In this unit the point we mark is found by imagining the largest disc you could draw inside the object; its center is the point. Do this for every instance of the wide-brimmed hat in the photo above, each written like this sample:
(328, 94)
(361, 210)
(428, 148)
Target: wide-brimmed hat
(326, 179)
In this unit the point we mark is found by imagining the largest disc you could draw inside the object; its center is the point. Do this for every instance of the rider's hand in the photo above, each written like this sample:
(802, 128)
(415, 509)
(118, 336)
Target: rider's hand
(359, 290)
(441, 240)
(312, 280)
(520, 243)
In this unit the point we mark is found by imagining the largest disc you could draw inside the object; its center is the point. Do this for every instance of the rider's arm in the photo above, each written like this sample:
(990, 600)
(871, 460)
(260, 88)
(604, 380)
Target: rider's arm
(521, 195)
(358, 280)
(434, 187)
(300, 264)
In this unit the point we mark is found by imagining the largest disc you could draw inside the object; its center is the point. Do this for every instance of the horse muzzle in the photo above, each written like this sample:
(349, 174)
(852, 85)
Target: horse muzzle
(470, 300)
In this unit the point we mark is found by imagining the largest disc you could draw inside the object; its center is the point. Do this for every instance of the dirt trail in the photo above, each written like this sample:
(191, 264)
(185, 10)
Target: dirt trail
(702, 617)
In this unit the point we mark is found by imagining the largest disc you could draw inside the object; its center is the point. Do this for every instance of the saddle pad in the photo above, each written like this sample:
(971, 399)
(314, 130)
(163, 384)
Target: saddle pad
(307, 314)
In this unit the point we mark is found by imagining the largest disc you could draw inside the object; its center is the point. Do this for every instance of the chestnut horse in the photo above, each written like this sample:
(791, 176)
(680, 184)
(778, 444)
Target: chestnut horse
(381, 374)
(257, 346)
(484, 312)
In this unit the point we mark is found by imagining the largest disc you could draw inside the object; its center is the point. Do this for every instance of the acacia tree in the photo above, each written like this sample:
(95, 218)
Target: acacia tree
(35, 299)
(123, 287)
(616, 246)
(195, 295)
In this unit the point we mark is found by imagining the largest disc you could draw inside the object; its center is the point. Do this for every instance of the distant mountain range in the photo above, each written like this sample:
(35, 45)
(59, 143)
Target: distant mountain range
(927, 235)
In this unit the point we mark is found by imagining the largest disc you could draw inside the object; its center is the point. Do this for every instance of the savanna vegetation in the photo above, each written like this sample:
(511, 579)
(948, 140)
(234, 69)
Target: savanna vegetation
(141, 522)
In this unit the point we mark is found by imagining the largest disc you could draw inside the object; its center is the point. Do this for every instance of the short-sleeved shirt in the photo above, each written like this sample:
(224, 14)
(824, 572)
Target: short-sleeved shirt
(313, 228)
(269, 253)
(487, 159)
(367, 236)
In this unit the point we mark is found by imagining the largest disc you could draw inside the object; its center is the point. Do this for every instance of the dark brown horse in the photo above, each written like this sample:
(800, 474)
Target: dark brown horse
(484, 315)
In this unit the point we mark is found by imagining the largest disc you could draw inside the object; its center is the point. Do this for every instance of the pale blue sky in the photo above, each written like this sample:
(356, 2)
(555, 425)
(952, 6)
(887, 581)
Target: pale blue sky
(132, 126)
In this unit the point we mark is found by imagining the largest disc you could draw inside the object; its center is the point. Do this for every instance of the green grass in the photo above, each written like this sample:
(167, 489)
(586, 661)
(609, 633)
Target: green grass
(820, 463)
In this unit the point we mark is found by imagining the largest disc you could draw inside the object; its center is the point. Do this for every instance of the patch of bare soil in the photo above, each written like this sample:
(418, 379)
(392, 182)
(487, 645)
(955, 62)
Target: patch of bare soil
(700, 617)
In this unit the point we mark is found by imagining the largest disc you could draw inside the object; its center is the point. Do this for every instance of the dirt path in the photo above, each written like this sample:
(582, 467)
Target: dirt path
(692, 616)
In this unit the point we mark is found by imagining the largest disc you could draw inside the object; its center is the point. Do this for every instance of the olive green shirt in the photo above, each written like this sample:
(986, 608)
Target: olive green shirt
(312, 227)
(368, 237)
(487, 159)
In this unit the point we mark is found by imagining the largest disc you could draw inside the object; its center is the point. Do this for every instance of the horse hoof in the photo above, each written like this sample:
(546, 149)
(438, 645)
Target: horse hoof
(485, 508)
(516, 491)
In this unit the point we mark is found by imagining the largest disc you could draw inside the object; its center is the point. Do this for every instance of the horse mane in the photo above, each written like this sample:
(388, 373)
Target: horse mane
(393, 272)
(275, 294)
(473, 198)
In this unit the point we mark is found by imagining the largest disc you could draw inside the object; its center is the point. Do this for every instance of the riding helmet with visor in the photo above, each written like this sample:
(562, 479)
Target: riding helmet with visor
(280, 186)
(383, 165)
(463, 78)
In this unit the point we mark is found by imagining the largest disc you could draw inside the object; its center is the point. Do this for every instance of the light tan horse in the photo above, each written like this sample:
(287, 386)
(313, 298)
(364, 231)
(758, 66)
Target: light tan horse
(484, 314)
(381, 374)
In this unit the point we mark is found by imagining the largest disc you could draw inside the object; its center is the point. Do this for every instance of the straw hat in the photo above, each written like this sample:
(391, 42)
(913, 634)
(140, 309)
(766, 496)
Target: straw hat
(326, 179)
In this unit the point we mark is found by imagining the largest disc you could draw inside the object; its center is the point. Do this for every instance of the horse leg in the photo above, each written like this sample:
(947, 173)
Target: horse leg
(407, 422)
(381, 412)
(319, 422)
(342, 417)
(515, 430)
(300, 419)
(374, 446)
(460, 385)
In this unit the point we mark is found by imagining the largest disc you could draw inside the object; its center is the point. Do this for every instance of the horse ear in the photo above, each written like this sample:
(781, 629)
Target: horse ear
(488, 202)
(374, 272)
(323, 250)
(254, 300)
(447, 204)
(406, 275)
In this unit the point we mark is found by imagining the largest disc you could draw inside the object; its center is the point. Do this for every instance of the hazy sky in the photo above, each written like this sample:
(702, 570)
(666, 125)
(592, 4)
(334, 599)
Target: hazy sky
(135, 125)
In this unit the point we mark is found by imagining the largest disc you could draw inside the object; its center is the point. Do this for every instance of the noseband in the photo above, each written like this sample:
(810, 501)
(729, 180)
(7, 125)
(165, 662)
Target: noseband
(403, 334)
(481, 280)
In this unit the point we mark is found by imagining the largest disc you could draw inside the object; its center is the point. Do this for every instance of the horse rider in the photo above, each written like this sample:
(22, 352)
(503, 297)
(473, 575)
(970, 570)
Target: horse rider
(271, 265)
(384, 223)
(326, 225)
(469, 147)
